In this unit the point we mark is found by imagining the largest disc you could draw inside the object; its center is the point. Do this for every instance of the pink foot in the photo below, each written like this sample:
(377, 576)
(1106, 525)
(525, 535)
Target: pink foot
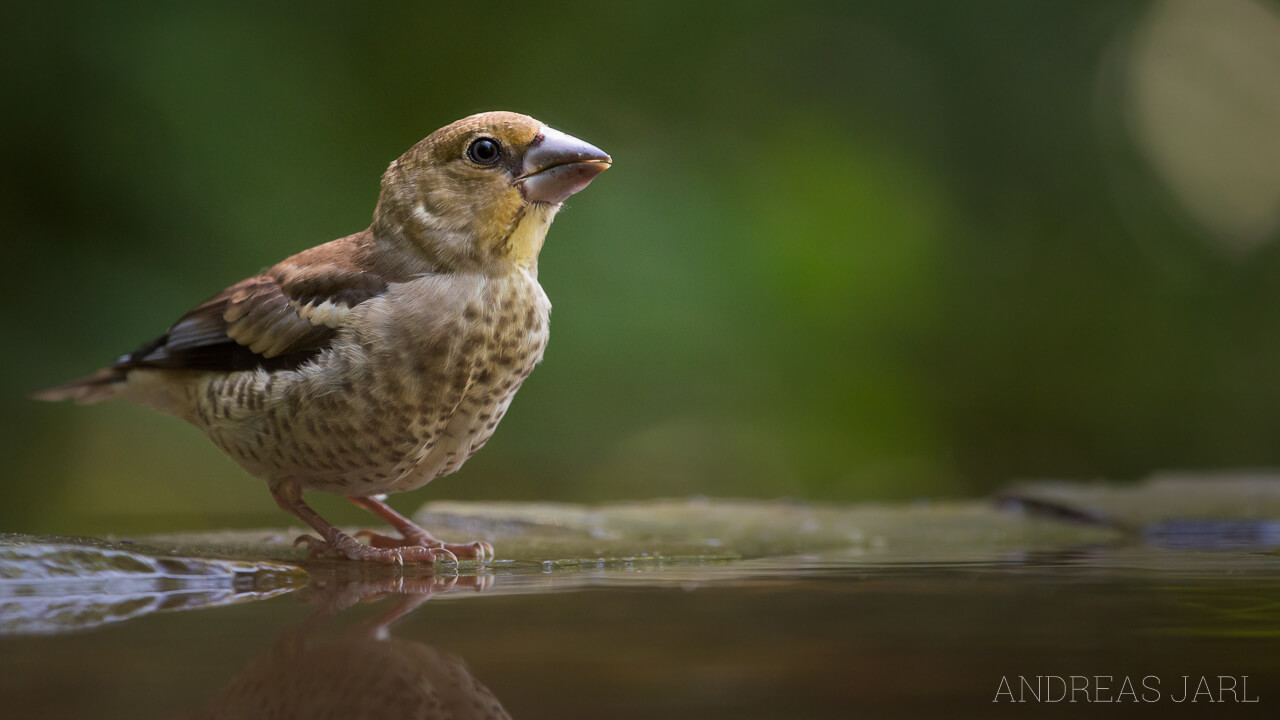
(477, 550)
(348, 547)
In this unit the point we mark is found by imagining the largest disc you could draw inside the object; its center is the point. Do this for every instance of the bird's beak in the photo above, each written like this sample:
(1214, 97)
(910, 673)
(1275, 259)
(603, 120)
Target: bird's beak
(558, 165)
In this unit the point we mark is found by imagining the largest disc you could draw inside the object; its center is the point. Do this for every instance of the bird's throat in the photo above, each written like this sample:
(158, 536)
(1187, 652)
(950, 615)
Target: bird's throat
(525, 241)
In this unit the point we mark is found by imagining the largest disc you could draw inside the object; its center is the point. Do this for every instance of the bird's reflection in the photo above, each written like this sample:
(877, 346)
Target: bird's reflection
(363, 673)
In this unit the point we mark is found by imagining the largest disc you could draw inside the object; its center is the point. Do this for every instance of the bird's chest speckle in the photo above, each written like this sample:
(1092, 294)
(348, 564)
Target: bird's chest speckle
(498, 338)
(406, 400)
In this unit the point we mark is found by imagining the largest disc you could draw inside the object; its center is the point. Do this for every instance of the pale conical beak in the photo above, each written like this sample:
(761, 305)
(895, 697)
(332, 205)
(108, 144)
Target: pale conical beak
(558, 165)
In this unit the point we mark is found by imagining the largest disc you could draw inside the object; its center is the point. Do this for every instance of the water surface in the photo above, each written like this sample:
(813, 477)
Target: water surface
(839, 632)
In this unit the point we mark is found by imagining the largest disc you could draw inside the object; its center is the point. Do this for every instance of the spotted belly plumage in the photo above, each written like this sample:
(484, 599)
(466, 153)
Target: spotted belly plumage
(407, 398)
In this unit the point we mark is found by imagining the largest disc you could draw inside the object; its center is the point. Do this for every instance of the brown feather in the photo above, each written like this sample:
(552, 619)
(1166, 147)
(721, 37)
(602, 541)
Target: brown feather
(258, 323)
(267, 321)
(99, 386)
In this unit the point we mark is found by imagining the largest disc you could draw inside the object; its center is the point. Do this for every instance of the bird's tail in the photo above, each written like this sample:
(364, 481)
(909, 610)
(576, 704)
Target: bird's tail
(102, 385)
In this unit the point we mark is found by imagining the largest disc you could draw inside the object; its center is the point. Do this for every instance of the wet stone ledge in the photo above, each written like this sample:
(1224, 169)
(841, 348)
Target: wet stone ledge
(57, 584)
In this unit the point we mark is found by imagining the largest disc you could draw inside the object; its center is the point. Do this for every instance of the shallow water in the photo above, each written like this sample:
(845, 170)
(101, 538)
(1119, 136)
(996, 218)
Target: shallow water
(853, 631)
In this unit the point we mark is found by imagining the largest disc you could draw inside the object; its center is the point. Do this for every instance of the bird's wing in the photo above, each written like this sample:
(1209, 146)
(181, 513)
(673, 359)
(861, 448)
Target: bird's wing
(278, 319)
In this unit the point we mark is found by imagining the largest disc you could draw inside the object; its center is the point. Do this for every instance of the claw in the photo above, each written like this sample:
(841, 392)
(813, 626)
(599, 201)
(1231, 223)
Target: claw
(478, 550)
(315, 546)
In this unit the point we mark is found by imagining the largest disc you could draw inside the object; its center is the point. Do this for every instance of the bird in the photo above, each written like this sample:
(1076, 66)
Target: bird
(380, 361)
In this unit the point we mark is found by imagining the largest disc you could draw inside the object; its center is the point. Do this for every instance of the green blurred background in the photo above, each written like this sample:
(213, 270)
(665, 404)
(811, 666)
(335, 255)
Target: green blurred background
(848, 251)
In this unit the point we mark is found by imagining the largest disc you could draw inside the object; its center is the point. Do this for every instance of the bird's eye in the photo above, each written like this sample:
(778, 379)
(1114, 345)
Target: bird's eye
(484, 151)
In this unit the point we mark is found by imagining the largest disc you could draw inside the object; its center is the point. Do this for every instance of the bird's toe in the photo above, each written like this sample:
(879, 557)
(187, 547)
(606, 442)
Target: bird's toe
(478, 550)
(315, 546)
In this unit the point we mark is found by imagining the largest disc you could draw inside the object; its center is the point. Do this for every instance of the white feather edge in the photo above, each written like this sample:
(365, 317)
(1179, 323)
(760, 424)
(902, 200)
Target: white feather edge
(263, 341)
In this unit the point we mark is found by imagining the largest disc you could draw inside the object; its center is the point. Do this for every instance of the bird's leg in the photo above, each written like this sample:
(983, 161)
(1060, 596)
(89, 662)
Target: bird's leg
(336, 542)
(413, 536)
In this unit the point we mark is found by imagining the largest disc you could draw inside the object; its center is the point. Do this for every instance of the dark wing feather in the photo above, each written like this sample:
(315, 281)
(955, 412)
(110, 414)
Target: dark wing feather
(277, 320)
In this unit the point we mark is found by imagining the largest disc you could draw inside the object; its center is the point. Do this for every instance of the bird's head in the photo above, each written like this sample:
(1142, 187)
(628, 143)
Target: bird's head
(479, 194)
